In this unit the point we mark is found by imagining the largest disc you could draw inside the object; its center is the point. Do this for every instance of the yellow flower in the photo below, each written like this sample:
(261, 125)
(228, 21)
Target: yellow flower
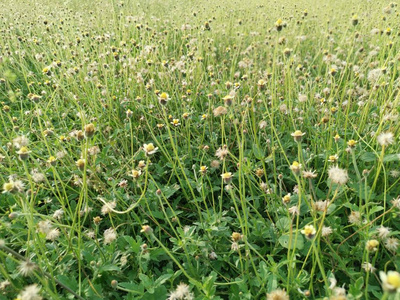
(351, 143)
(390, 281)
(295, 167)
(149, 149)
(203, 170)
(227, 177)
(297, 135)
(309, 231)
(372, 245)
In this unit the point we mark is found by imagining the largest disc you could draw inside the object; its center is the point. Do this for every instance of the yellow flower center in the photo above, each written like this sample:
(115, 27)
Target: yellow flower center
(393, 278)
(150, 147)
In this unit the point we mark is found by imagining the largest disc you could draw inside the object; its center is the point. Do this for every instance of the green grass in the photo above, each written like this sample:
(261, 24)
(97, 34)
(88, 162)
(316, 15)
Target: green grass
(100, 216)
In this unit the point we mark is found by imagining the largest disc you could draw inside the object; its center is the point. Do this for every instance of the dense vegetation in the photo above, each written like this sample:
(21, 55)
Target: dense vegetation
(199, 149)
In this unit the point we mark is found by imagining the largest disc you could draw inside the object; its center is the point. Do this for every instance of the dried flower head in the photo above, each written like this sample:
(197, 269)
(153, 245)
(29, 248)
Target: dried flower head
(338, 175)
(278, 295)
(385, 139)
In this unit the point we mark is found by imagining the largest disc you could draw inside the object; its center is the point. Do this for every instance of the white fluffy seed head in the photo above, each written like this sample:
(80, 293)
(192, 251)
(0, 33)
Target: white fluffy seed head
(338, 175)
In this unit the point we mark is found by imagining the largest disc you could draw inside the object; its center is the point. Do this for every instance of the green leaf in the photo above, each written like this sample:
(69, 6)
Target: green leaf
(258, 153)
(107, 268)
(284, 240)
(283, 224)
(68, 281)
(368, 157)
(391, 157)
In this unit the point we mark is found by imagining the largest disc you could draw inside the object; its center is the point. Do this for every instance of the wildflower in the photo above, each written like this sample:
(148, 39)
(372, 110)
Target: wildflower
(58, 214)
(279, 24)
(80, 163)
(227, 177)
(391, 244)
(9, 187)
(26, 268)
(175, 122)
(4, 284)
(109, 235)
(262, 124)
(221, 153)
(220, 111)
(163, 98)
(93, 150)
(52, 161)
(235, 246)
(97, 220)
(354, 217)
(203, 170)
(146, 229)
(286, 198)
(236, 236)
(297, 135)
(23, 153)
(309, 174)
(333, 158)
(320, 205)
(372, 245)
(203, 117)
(295, 167)
(368, 267)
(261, 84)
(142, 164)
(326, 231)
(149, 149)
(89, 130)
(215, 164)
(294, 210)
(338, 175)
(20, 142)
(390, 281)
(336, 138)
(213, 255)
(383, 232)
(135, 174)
(129, 113)
(278, 295)
(53, 234)
(30, 292)
(309, 231)
(385, 139)
(351, 143)
(228, 99)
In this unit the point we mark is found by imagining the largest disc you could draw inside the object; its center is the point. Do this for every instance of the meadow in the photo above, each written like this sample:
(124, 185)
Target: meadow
(199, 149)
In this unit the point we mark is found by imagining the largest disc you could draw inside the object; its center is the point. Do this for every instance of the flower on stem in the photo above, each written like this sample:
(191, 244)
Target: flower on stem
(203, 170)
(227, 177)
(146, 229)
(351, 143)
(390, 281)
(295, 167)
(149, 149)
(372, 245)
(338, 175)
(297, 135)
(309, 231)
(163, 98)
(385, 139)
(23, 153)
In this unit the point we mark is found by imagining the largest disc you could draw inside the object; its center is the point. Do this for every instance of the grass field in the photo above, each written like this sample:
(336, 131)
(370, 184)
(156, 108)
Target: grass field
(199, 149)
